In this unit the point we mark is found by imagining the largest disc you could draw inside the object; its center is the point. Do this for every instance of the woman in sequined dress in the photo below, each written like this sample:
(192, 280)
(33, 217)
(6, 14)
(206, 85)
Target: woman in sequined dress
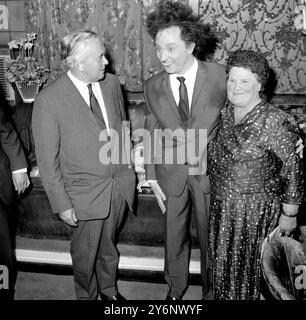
(256, 178)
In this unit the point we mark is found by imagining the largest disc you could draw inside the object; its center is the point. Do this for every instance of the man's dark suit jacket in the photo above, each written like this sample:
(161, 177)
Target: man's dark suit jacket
(11, 154)
(209, 96)
(66, 136)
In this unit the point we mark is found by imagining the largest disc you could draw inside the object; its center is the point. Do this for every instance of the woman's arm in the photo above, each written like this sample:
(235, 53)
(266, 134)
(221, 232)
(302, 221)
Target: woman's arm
(282, 141)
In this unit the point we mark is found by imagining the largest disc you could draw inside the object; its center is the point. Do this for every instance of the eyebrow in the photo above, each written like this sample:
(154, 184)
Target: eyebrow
(168, 44)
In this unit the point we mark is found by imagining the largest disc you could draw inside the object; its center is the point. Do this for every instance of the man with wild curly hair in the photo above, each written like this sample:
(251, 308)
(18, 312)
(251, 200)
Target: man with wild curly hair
(186, 97)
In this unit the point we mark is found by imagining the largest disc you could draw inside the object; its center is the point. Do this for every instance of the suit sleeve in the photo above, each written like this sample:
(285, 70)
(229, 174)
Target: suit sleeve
(127, 145)
(46, 134)
(148, 141)
(282, 138)
(11, 143)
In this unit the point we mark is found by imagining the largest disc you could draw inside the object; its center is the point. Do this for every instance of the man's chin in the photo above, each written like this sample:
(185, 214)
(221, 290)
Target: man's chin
(169, 69)
(102, 76)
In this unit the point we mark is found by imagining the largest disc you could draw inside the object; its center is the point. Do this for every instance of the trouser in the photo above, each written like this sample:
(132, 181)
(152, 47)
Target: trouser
(177, 237)
(7, 245)
(94, 254)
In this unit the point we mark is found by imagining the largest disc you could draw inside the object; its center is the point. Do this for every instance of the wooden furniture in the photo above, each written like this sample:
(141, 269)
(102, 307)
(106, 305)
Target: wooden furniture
(142, 227)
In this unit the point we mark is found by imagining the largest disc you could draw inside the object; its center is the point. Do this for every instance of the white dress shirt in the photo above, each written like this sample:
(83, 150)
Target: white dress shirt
(20, 170)
(83, 89)
(190, 77)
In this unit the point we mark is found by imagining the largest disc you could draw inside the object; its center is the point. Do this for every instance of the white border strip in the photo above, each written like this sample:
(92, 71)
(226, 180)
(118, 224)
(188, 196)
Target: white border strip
(125, 262)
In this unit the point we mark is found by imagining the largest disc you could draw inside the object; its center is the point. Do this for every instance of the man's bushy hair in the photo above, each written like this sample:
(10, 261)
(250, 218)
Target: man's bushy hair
(169, 13)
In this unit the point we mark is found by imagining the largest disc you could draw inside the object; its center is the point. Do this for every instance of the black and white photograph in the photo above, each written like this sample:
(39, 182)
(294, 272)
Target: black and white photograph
(153, 152)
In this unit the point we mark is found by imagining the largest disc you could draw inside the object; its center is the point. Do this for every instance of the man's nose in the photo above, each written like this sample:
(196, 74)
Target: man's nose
(163, 55)
(105, 61)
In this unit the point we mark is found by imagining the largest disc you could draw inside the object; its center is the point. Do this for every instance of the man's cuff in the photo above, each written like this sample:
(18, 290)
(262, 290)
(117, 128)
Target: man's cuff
(151, 181)
(20, 170)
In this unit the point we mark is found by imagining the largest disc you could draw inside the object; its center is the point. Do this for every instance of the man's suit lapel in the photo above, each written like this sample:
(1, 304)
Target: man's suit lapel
(166, 89)
(105, 86)
(77, 100)
(199, 84)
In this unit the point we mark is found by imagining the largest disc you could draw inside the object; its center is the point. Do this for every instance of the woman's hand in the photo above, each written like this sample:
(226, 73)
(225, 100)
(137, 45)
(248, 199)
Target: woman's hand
(287, 221)
(287, 224)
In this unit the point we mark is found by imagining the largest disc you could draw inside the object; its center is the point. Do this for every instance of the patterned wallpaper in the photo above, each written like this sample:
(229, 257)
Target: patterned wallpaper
(119, 22)
(267, 26)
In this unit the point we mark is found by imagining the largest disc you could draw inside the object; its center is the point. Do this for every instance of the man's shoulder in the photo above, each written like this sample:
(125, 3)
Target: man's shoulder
(110, 77)
(212, 67)
(155, 79)
(54, 87)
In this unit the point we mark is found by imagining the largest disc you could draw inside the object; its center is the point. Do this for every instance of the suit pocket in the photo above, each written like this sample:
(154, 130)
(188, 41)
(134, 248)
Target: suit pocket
(204, 183)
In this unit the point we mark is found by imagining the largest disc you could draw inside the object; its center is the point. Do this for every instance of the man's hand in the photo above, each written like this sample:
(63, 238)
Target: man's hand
(159, 195)
(69, 217)
(299, 148)
(21, 181)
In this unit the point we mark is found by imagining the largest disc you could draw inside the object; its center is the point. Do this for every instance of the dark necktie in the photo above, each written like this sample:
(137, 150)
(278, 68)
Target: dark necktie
(95, 107)
(183, 106)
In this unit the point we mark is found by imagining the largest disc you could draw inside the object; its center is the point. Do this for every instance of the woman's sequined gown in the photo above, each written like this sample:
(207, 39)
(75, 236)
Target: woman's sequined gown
(253, 167)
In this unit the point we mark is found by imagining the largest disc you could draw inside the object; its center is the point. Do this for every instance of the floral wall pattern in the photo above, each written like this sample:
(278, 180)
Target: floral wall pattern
(267, 26)
(119, 22)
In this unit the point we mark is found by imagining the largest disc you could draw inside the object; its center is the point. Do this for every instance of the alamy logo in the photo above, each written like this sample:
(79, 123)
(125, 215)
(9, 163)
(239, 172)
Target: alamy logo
(161, 146)
(300, 280)
(4, 277)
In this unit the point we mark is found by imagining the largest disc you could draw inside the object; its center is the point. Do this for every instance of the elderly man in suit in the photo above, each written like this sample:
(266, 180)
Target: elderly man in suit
(75, 119)
(13, 177)
(186, 97)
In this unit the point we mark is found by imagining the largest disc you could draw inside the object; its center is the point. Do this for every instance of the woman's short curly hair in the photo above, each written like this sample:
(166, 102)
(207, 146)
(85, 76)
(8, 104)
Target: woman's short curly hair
(169, 13)
(249, 59)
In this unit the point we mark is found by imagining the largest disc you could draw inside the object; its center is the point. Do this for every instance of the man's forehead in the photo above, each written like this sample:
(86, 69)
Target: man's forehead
(94, 44)
(94, 41)
(169, 34)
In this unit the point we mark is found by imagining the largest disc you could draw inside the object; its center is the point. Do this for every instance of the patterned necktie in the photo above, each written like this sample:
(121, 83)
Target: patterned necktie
(183, 106)
(95, 107)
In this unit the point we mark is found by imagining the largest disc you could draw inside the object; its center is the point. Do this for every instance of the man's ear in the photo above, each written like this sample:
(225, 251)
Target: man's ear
(73, 63)
(190, 47)
(79, 65)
